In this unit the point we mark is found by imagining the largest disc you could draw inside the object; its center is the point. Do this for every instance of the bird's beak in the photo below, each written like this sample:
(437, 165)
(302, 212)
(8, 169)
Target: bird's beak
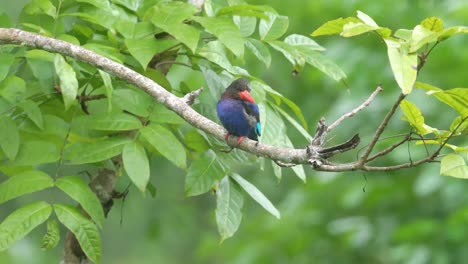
(245, 95)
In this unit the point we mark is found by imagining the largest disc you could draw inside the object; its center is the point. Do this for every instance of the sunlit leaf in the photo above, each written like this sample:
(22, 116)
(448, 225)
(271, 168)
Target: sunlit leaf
(33, 112)
(36, 152)
(109, 88)
(273, 27)
(6, 60)
(420, 37)
(136, 164)
(24, 183)
(456, 98)
(19, 223)
(414, 116)
(245, 24)
(334, 26)
(143, 49)
(229, 202)
(454, 165)
(448, 32)
(133, 101)
(260, 50)
(404, 65)
(68, 81)
(258, 196)
(226, 31)
(434, 24)
(366, 19)
(39, 7)
(83, 228)
(77, 189)
(12, 88)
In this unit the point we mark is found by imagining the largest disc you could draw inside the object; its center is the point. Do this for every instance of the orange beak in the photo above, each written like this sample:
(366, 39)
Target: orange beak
(245, 95)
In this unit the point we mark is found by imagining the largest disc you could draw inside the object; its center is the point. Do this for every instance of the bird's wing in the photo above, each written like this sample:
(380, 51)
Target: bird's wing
(253, 116)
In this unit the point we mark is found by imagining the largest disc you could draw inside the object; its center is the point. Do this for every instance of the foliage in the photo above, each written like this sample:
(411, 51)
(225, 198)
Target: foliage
(47, 118)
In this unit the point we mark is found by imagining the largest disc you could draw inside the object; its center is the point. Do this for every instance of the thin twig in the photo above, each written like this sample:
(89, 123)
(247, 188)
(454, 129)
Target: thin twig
(380, 129)
(190, 97)
(389, 149)
(357, 109)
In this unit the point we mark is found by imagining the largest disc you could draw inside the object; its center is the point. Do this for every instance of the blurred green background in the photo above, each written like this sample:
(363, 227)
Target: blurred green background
(407, 216)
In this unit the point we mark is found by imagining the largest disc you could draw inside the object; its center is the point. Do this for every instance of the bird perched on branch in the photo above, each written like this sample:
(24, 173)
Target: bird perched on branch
(238, 111)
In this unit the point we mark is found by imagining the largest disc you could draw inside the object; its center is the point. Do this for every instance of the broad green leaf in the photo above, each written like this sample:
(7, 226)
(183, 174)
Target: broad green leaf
(404, 65)
(40, 7)
(109, 88)
(12, 88)
(460, 124)
(434, 24)
(354, 29)
(79, 191)
(420, 37)
(456, 98)
(133, 101)
(414, 116)
(19, 223)
(245, 10)
(113, 121)
(36, 152)
(130, 4)
(144, 49)
(33, 112)
(52, 236)
(151, 189)
(454, 165)
(82, 153)
(53, 125)
(215, 52)
(6, 60)
(197, 140)
(161, 115)
(9, 137)
(404, 34)
(100, 4)
(68, 81)
(303, 41)
(324, 64)
(107, 51)
(24, 183)
(169, 16)
(166, 143)
(83, 228)
(257, 195)
(226, 31)
(273, 27)
(448, 32)
(334, 26)
(229, 202)
(366, 19)
(290, 52)
(203, 174)
(260, 50)
(245, 24)
(136, 164)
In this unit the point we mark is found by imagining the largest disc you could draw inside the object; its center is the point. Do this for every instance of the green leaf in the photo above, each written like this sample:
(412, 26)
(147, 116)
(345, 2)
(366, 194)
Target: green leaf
(33, 111)
(52, 236)
(245, 10)
(258, 196)
(83, 228)
(260, 50)
(203, 174)
(24, 183)
(79, 191)
(151, 189)
(144, 49)
(454, 165)
(130, 4)
(97, 3)
(89, 152)
(448, 32)
(303, 41)
(136, 164)
(19, 223)
(9, 137)
(273, 27)
(366, 19)
(36, 152)
(114, 121)
(166, 143)
(324, 64)
(6, 60)
(109, 88)
(226, 31)
(161, 115)
(133, 101)
(354, 29)
(420, 37)
(456, 98)
(40, 7)
(229, 202)
(295, 124)
(434, 24)
(107, 51)
(245, 24)
(414, 116)
(404, 65)
(169, 16)
(334, 26)
(12, 88)
(68, 81)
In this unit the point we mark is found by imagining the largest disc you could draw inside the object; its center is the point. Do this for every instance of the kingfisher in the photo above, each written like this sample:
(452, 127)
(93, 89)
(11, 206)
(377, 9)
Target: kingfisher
(238, 111)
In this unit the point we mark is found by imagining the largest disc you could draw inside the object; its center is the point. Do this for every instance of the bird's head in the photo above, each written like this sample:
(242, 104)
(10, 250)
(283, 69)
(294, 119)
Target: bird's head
(239, 89)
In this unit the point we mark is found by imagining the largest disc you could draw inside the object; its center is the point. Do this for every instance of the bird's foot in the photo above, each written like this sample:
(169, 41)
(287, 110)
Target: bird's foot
(239, 139)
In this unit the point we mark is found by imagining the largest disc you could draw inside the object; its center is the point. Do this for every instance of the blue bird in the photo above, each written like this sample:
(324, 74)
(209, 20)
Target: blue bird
(238, 111)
